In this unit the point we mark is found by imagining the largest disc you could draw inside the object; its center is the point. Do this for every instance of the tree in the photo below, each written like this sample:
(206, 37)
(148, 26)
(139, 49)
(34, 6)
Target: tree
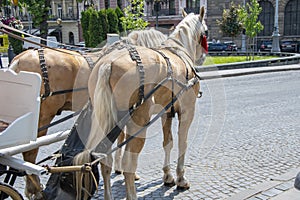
(112, 20)
(230, 24)
(39, 9)
(249, 17)
(133, 16)
(120, 14)
(103, 25)
(94, 29)
(85, 16)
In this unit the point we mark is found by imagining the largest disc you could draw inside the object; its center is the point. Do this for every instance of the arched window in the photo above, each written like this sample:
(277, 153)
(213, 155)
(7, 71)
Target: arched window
(292, 18)
(266, 17)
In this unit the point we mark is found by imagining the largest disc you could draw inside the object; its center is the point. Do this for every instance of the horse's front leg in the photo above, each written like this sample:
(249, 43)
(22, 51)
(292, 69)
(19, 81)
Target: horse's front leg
(106, 166)
(185, 120)
(33, 188)
(168, 145)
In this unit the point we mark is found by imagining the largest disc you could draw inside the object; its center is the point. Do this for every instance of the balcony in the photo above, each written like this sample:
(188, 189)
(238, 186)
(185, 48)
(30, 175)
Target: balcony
(51, 17)
(192, 10)
(164, 12)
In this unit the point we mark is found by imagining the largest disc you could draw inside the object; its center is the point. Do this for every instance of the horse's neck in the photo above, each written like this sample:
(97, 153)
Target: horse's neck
(184, 39)
(177, 47)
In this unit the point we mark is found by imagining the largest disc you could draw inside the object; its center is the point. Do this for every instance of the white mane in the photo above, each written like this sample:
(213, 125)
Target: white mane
(148, 38)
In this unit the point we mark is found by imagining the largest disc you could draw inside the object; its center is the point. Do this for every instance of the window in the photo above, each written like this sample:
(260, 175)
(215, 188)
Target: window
(59, 11)
(266, 17)
(292, 18)
(107, 4)
(70, 12)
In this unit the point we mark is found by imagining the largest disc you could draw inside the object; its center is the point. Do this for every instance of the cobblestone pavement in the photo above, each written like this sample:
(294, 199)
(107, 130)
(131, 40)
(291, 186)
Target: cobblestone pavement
(245, 130)
(250, 126)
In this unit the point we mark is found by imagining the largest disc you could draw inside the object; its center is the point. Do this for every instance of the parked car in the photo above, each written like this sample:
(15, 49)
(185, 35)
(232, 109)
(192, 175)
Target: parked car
(230, 46)
(216, 47)
(266, 45)
(289, 46)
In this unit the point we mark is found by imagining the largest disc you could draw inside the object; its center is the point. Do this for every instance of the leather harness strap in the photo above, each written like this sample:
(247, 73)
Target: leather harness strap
(44, 70)
(140, 67)
(89, 60)
(170, 76)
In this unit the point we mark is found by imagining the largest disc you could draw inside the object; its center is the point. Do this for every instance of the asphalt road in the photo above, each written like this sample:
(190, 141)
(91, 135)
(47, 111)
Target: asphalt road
(245, 130)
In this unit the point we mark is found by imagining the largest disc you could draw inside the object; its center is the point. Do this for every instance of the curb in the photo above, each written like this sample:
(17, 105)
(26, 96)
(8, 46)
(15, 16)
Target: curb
(246, 71)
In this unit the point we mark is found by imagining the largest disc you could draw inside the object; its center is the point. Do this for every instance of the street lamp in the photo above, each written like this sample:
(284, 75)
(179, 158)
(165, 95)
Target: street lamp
(275, 42)
(58, 21)
(243, 49)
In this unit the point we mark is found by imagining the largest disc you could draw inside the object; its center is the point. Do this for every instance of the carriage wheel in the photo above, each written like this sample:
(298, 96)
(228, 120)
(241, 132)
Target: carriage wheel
(8, 192)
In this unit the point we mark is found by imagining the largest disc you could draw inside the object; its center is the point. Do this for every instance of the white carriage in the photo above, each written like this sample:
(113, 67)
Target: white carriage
(19, 115)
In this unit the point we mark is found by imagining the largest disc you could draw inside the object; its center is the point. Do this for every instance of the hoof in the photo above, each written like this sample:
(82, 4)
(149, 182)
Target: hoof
(118, 172)
(183, 188)
(171, 184)
(137, 177)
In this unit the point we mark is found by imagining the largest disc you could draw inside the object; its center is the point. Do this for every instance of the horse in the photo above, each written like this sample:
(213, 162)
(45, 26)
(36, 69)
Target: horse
(141, 83)
(66, 71)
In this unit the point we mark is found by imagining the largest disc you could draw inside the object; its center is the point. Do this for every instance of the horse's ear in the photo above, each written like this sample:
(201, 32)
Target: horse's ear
(184, 14)
(202, 11)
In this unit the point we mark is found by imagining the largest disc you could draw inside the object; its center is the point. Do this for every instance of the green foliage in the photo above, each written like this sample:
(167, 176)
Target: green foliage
(249, 17)
(16, 44)
(112, 19)
(213, 60)
(103, 25)
(85, 18)
(231, 24)
(94, 29)
(120, 14)
(39, 10)
(96, 24)
(133, 16)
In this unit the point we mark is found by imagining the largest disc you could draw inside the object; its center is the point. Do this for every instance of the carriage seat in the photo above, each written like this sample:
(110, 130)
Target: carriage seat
(19, 107)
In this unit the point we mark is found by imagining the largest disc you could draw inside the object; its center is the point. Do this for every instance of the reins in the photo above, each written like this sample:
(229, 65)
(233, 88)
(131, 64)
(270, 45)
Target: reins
(59, 121)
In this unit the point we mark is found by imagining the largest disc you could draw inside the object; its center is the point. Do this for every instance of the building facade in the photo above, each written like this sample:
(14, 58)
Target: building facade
(288, 19)
(166, 14)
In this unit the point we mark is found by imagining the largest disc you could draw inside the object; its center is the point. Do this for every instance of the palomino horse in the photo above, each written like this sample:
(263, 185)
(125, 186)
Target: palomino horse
(66, 70)
(124, 80)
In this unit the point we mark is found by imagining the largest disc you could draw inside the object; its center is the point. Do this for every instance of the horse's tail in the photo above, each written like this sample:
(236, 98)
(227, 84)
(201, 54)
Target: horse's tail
(103, 120)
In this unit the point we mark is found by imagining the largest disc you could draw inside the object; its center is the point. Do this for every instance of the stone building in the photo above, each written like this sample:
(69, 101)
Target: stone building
(288, 18)
(68, 29)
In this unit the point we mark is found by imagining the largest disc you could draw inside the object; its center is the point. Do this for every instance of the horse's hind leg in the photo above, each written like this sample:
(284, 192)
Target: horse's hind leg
(106, 172)
(118, 155)
(168, 145)
(131, 153)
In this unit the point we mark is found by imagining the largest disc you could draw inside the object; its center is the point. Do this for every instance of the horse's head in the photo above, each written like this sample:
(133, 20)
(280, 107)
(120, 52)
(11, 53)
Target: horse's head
(192, 34)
